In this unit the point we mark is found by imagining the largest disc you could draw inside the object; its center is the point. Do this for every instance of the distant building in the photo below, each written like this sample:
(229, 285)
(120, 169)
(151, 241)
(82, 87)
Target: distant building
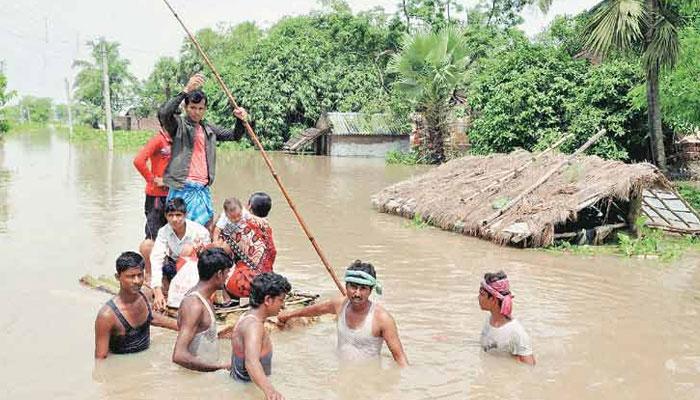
(351, 134)
(130, 122)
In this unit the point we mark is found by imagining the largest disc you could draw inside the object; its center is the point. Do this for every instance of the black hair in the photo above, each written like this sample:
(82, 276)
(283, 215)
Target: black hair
(267, 284)
(129, 259)
(195, 96)
(232, 201)
(212, 261)
(493, 277)
(260, 204)
(176, 204)
(358, 265)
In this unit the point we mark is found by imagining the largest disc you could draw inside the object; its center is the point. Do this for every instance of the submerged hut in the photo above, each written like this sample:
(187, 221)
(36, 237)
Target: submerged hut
(351, 134)
(512, 198)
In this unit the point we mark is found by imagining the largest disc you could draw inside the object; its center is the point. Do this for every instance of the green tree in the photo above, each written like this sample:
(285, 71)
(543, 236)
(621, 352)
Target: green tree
(650, 26)
(5, 96)
(36, 109)
(307, 65)
(680, 98)
(430, 67)
(88, 82)
(530, 94)
(162, 83)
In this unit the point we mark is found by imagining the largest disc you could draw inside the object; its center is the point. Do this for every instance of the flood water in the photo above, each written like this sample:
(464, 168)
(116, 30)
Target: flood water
(602, 327)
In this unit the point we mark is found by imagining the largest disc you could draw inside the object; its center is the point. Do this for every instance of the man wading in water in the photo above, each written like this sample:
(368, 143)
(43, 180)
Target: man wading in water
(123, 324)
(252, 348)
(192, 166)
(197, 345)
(363, 326)
(502, 333)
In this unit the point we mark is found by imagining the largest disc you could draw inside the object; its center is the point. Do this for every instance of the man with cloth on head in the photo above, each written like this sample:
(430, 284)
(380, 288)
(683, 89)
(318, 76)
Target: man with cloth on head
(192, 166)
(502, 333)
(363, 326)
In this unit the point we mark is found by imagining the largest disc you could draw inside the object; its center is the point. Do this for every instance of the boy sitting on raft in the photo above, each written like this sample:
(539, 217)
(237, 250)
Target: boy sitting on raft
(252, 348)
(502, 333)
(180, 237)
(123, 324)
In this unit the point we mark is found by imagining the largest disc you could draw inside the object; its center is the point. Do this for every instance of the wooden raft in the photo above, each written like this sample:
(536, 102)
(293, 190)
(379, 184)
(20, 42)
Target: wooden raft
(226, 316)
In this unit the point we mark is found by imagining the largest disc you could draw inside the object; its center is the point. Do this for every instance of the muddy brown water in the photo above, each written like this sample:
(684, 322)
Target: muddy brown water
(602, 327)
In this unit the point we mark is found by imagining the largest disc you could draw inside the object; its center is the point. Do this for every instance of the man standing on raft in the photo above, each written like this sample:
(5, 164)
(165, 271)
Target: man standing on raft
(192, 166)
(363, 326)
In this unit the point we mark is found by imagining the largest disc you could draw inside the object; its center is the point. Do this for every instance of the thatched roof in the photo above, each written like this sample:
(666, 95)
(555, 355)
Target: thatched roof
(352, 123)
(449, 196)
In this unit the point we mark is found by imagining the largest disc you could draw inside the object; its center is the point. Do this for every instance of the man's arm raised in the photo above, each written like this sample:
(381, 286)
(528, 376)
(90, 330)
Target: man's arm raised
(390, 333)
(188, 320)
(252, 336)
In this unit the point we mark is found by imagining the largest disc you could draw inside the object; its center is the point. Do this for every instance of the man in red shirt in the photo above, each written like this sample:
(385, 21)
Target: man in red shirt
(157, 151)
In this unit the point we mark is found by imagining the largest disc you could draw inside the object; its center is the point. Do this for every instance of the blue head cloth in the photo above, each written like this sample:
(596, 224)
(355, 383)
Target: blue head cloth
(363, 278)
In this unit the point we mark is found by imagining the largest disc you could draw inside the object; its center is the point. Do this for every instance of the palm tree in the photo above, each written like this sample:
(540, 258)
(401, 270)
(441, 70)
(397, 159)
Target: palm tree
(649, 25)
(430, 66)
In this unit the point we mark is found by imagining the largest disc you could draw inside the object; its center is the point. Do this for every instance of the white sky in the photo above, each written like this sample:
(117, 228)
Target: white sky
(39, 39)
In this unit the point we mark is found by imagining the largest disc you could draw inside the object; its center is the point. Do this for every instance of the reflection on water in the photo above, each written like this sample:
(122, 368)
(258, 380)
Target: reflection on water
(602, 327)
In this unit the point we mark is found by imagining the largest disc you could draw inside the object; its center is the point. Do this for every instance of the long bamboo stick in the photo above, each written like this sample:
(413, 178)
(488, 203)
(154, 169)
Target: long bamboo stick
(515, 172)
(255, 140)
(488, 221)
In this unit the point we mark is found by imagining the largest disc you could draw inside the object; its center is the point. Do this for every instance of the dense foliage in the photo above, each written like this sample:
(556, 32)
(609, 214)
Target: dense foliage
(529, 94)
(88, 82)
(515, 91)
(4, 97)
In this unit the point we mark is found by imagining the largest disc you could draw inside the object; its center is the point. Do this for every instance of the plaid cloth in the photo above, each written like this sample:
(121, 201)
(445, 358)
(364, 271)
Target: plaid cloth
(198, 200)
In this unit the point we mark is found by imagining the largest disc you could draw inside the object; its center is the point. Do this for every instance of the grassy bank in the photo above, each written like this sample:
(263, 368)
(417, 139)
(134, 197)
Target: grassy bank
(26, 128)
(132, 140)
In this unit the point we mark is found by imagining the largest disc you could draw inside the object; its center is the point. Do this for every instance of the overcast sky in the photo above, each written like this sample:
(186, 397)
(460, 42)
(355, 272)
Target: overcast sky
(41, 38)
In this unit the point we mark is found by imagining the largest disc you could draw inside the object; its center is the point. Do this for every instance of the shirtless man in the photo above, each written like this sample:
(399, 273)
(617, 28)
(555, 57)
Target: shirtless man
(363, 326)
(252, 348)
(197, 345)
(502, 333)
(123, 324)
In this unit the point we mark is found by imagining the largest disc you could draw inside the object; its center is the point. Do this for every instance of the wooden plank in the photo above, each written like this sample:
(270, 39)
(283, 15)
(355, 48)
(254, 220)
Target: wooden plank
(518, 170)
(488, 221)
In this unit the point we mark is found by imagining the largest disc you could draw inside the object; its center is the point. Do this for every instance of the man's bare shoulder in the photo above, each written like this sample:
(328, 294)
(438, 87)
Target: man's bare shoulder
(382, 315)
(190, 304)
(105, 317)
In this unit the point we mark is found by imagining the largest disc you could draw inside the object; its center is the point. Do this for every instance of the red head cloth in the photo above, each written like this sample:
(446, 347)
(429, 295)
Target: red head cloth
(496, 289)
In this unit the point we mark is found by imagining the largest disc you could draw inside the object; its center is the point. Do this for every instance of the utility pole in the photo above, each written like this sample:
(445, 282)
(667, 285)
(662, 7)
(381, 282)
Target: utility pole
(106, 95)
(70, 113)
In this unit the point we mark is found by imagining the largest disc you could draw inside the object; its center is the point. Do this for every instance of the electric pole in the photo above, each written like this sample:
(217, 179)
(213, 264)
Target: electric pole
(106, 95)
(70, 113)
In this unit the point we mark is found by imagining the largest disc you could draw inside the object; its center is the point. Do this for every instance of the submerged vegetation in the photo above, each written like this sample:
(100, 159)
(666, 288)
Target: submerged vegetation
(648, 243)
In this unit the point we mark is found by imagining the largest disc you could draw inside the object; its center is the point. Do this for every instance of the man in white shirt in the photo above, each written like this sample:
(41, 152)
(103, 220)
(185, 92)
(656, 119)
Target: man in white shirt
(502, 333)
(181, 237)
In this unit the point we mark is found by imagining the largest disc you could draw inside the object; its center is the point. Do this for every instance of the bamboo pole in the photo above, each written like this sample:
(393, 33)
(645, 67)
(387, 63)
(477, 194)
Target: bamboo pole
(257, 143)
(543, 179)
(520, 169)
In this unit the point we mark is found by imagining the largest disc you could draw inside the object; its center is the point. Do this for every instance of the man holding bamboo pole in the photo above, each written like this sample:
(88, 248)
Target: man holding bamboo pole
(192, 166)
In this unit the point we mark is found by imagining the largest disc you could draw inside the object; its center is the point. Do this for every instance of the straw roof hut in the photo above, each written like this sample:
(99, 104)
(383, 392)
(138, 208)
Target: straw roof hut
(482, 196)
